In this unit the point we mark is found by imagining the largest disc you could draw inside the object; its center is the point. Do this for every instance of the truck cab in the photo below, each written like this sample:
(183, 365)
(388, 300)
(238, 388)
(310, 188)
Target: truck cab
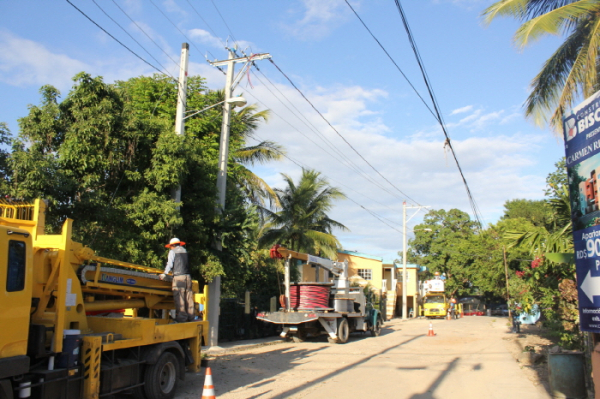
(15, 291)
(435, 305)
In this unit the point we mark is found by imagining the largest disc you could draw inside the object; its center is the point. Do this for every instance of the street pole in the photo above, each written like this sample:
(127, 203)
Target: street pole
(181, 104)
(404, 276)
(506, 275)
(214, 287)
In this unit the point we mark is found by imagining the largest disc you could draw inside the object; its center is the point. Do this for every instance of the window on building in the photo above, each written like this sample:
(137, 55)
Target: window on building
(15, 278)
(400, 276)
(367, 274)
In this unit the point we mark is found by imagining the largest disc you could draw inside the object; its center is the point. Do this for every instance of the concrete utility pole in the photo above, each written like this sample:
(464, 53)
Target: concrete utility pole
(181, 104)
(404, 310)
(404, 274)
(214, 288)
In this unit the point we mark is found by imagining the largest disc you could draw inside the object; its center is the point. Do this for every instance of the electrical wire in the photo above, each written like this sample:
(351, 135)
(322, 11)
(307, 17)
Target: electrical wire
(146, 34)
(114, 38)
(413, 43)
(375, 215)
(338, 133)
(132, 38)
(334, 151)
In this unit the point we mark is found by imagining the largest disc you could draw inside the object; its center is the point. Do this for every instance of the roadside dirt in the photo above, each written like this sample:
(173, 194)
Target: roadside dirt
(530, 349)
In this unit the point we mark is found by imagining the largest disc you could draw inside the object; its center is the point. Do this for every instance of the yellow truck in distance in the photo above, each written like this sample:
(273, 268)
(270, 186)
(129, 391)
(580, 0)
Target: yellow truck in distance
(64, 333)
(435, 305)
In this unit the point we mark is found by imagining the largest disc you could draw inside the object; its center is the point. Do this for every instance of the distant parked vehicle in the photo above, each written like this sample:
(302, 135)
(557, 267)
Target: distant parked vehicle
(499, 309)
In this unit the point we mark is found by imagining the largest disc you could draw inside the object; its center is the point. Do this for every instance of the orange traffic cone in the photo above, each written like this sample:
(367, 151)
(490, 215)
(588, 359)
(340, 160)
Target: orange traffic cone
(209, 389)
(430, 333)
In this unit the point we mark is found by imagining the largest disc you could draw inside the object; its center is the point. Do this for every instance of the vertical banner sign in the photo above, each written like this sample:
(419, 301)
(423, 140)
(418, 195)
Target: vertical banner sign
(582, 147)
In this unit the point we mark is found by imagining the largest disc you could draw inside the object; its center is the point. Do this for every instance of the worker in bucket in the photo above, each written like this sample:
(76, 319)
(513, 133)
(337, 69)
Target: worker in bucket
(182, 280)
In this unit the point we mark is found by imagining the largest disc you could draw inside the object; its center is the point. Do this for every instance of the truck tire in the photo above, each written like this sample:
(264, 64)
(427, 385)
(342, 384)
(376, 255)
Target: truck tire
(161, 378)
(376, 330)
(343, 331)
(6, 391)
(299, 337)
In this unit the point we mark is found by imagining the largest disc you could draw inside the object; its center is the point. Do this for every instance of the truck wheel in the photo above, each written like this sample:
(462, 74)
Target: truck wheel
(343, 331)
(161, 378)
(376, 330)
(299, 337)
(6, 391)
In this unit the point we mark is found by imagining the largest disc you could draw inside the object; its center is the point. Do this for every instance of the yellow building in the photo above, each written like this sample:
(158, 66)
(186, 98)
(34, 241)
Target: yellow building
(364, 269)
(412, 288)
(384, 277)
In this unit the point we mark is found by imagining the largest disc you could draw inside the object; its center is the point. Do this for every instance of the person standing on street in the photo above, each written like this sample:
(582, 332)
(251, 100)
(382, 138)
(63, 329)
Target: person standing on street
(182, 280)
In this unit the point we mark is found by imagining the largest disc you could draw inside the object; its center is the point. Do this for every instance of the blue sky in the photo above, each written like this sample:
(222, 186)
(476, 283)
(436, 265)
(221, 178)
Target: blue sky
(480, 81)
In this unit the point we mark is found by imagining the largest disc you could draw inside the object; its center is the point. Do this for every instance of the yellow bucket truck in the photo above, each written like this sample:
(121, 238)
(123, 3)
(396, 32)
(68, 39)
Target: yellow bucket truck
(76, 325)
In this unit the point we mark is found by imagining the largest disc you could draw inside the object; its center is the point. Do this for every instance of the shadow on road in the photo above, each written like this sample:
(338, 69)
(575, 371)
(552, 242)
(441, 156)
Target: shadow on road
(428, 394)
(308, 384)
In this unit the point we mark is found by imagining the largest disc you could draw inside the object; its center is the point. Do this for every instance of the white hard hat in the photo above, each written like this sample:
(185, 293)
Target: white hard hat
(173, 242)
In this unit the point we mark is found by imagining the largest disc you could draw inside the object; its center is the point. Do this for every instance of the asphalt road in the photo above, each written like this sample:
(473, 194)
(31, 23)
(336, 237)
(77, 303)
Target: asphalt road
(468, 358)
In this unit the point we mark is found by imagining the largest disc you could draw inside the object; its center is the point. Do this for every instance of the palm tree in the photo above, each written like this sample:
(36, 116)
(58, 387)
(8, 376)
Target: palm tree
(254, 188)
(571, 73)
(301, 223)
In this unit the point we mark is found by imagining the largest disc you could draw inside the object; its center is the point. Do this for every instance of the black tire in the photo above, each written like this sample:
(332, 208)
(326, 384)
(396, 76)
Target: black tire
(161, 378)
(376, 330)
(343, 331)
(6, 391)
(299, 337)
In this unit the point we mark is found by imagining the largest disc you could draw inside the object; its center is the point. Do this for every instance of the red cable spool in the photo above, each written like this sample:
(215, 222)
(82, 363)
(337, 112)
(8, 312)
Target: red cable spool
(309, 296)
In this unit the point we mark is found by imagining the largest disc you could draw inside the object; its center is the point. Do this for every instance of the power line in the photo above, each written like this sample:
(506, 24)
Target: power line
(333, 153)
(175, 26)
(124, 30)
(338, 133)
(391, 59)
(413, 43)
(114, 38)
(378, 217)
(146, 34)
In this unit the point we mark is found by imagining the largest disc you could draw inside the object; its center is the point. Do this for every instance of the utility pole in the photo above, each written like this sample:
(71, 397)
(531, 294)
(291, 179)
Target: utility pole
(214, 288)
(506, 275)
(181, 104)
(404, 274)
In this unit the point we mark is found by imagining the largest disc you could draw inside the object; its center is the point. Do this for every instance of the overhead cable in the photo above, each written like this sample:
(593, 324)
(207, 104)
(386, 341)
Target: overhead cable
(114, 38)
(474, 207)
(339, 134)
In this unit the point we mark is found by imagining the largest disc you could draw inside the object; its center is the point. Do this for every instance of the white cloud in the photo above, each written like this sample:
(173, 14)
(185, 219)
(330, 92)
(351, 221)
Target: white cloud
(497, 166)
(24, 62)
(318, 19)
(205, 37)
(462, 110)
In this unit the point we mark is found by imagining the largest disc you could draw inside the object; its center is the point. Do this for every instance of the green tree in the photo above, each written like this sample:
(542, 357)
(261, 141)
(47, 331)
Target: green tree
(301, 223)
(442, 243)
(107, 156)
(571, 73)
(5, 172)
(537, 212)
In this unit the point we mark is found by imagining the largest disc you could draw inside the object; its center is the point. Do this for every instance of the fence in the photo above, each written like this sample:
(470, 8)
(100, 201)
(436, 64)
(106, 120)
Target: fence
(238, 318)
